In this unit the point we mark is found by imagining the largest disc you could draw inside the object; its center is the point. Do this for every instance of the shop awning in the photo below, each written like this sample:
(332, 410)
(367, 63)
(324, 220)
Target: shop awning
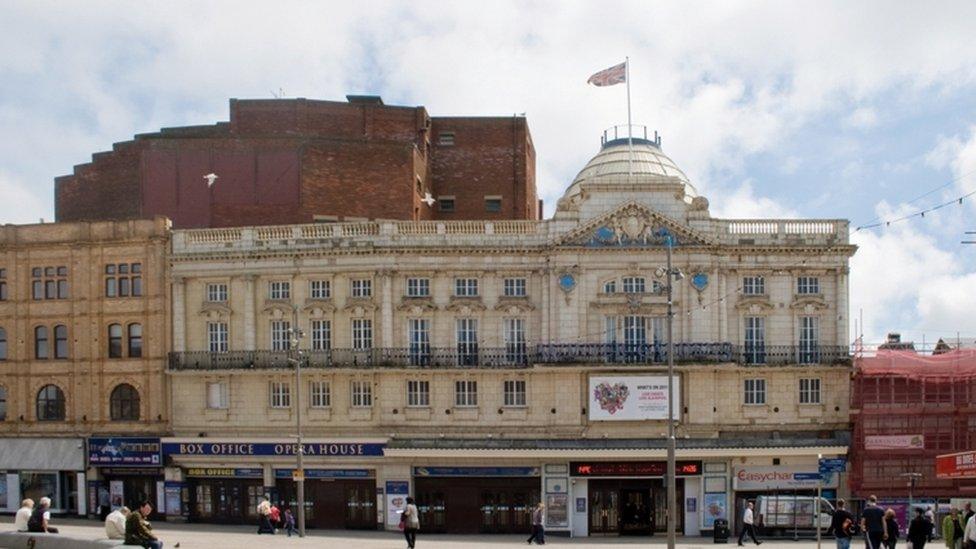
(42, 454)
(614, 448)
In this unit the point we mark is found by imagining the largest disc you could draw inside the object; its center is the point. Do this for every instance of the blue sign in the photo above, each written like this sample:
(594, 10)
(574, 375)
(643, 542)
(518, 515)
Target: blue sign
(699, 281)
(833, 465)
(397, 487)
(127, 451)
(325, 473)
(476, 471)
(806, 476)
(197, 447)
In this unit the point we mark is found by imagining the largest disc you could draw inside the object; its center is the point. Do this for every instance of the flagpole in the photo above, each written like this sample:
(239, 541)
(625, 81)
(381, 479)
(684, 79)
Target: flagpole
(630, 128)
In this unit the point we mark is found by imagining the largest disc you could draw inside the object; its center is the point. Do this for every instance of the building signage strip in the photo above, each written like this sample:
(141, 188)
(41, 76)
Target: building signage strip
(632, 468)
(781, 478)
(476, 472)
(228, 449)
(326, 473)
(124, 451)
(225, 472)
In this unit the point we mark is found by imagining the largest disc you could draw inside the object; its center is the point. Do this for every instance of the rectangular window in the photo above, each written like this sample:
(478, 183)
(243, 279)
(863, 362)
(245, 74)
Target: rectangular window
(633, 284)
(419, 337)
(49, 283)
(810, 390)
(445, 138)
(123, 280)
(514, 287)
(320, 394)
(465, 393)
(753, 285)
(514, 390)
(466, 287)
(515, 348)
(809, 350)
(362, 334)
(217, 337)
(807, 285)
(362, 288)
(754, 391)
(418, 393)
(280, 335)
(321, 335)
(279, 289)
(217, 293)
(755, 340)
(493, 204)
(467, 341)
(217, 395)
(445, 204)
(418, 287)
(3, 284)
(610, 287)
(362, 394)
(280, 394)
(319, 289)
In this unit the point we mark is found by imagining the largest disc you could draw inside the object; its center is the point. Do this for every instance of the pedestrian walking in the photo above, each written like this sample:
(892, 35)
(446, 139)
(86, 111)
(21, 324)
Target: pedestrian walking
(953, 527)
(138, 531)
(842, 526)
(264, 517)
(411, 523)
(275, 517)
(538, 525)
(873, 524)
(930, 516)
(748, 524)
(289, 521)
(919, 530)
(891, 529)
(23, 515)
(969, 534)
(968, 513)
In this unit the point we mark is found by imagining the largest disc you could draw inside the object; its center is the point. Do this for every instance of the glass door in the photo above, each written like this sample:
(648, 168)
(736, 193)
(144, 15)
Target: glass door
(604, 511)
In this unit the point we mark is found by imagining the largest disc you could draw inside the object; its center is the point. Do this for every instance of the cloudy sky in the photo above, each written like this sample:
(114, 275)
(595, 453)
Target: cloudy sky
(856, 110)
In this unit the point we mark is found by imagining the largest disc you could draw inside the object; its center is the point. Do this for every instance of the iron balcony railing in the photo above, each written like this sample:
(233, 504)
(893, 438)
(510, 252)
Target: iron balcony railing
(517, 356)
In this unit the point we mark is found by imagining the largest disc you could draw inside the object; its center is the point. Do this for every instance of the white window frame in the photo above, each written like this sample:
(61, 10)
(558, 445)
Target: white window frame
(465, 393)
(279, 289)
(513, 330)
(610, 287)
(754, 285)
(810, 388)
(808, 285)
(361, 394)
(514, 391)
(217, 292)
(361, 288)
(514, 287)
(418, 340)
(754, 339)
(754, 391)
(218, 337)
(218, 395)
(321, 334)
(280, 335)
(634, 285)
(362, 333)
(809, 340)
(280, 394)
(319, 289)
(466, 287)
(418, 393)
(466, 338)
(418, 287)
(319, 394)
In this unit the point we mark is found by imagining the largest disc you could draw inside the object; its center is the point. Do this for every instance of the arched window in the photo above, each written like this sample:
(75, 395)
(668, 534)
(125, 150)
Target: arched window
(115, 341)
(125, 403)
(135, 340)
(40, 342)
(60, 341)
(3, 344)
(50, 403)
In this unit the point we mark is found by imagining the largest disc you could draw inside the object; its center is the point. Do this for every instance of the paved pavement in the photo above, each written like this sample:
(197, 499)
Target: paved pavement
(208, 536)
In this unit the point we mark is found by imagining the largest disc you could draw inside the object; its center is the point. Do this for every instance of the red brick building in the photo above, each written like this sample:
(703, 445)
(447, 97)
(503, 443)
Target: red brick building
(299, 161)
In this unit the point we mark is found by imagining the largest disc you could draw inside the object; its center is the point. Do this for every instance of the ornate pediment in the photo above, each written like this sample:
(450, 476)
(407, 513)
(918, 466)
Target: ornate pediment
(808, 303)
(465, 305)
(754, 303)
(417, 305)
(633, 226)
(319, 306)
(277, 305)
(359, 304)
(514, 305)
(214, 309)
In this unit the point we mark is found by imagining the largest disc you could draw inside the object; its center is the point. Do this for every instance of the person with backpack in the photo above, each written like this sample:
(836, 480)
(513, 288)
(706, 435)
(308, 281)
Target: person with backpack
(842, 526)
(40, 520)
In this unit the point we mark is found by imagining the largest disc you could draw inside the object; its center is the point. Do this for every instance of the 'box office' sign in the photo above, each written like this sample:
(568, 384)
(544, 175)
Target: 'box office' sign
(223, 449)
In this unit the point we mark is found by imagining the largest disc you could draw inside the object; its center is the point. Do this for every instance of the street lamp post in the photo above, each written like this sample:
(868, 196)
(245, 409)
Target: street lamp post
(912, 478)
(672, 274)
(295, 358)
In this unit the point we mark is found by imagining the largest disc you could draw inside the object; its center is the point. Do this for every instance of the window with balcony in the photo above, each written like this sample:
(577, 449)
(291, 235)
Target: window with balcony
(514, 393)
(418, 287)
(218, 395)
(362, 288)
(217, 337)
(362, 334)
(466, 287)
(754, 391)
(418, 334)
(217, 293)
(279, 289)
(49, 283)
(754, 340)
(418, 393)
(362, 394)
(809, 348)
(515, 347)
(753, 285)
(808, 285)
(280, 335)
(467, 341)
(633, 285)
(280, 394)
(810, 390)
(321, 335)
(466, 393)
(514, 287)
(123, 280)
(319, 289)
(320, 394)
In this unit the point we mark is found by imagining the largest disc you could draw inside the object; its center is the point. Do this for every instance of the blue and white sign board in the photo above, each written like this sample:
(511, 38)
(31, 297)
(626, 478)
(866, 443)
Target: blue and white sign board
(124, 451)
(833, 465)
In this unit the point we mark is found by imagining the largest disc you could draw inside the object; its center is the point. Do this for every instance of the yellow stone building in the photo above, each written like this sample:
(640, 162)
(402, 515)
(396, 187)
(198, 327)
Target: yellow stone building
(84, 337)
(484, 366)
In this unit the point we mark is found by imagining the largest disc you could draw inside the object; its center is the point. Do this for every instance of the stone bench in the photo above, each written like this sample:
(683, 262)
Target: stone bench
(28, 540)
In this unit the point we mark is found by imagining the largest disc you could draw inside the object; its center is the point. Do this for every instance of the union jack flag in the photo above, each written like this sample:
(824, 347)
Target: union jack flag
(616, 74)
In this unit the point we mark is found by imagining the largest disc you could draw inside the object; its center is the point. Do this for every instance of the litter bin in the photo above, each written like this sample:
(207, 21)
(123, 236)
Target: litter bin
(720, 532)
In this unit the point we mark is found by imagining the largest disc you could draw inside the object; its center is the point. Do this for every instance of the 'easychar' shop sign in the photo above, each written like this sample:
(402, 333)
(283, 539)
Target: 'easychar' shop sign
(225, 449)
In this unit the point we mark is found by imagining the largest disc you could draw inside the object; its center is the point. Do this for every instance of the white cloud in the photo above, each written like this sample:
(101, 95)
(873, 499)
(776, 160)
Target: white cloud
(19, 204)
(743, 203)
(863, 118)
(958, 154)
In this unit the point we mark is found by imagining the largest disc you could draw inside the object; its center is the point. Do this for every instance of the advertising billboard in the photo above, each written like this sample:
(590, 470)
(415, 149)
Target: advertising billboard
(961, 465)
(632, 398)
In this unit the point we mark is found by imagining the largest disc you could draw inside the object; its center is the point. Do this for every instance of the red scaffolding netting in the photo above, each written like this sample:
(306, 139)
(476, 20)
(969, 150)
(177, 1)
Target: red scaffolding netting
(954, 364)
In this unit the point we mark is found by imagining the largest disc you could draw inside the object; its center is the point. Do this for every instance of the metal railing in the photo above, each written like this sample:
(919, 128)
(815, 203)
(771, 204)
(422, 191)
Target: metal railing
(518, 356)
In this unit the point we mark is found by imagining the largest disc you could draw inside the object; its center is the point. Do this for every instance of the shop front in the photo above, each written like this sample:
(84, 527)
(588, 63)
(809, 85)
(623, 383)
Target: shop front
(125, 471)
(471, 500)
(334, 498)
(785, 496)
(43, 467)
(224, 495)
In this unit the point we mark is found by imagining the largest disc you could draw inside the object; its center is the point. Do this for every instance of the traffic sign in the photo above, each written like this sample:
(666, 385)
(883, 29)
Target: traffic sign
(833, 465)
(298, 475)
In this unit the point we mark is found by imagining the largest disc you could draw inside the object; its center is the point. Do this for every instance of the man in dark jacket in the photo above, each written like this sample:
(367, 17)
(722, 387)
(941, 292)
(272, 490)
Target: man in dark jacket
(873, 525)
(841, 525)
(138, 531)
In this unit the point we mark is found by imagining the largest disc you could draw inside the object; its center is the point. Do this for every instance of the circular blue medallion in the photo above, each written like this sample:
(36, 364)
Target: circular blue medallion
(567, 282)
